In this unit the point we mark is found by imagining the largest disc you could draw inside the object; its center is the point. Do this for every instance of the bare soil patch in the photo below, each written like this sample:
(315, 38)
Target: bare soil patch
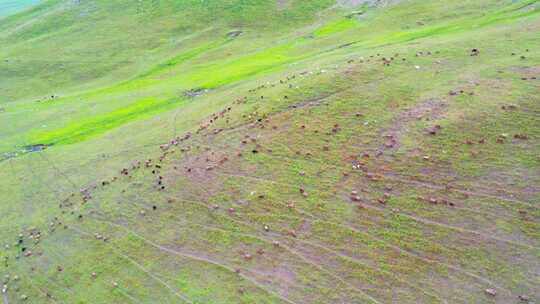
(429, 109)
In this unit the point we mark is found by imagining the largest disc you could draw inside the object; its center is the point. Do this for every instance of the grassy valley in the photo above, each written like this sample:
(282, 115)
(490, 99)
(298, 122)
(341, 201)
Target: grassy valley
(270, 152)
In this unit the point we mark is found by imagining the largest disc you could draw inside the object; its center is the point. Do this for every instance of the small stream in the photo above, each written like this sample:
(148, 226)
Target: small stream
(27, 149)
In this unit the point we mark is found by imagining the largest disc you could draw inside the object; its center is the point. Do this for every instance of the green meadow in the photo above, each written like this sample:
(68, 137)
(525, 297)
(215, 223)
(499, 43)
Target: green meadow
(265, 151)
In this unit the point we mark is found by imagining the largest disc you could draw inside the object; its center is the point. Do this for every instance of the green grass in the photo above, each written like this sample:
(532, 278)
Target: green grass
(99, 124)
(303, 86)
(336, 26)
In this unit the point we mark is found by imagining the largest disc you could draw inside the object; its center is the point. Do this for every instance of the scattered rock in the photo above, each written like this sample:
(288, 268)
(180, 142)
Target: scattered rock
(234, 34)
(35, 148)
(524, 298)
(491, 292)
(195, 93)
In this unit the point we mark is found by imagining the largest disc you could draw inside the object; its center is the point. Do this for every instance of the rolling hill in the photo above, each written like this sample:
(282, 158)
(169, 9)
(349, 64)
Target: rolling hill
(288, 151)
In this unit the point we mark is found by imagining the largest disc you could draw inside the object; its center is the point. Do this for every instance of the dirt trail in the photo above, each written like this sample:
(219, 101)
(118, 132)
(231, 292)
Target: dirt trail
(141, 268)
(202, 259)
(290, 250)
(419, 219)
(409, 253)
(394, 247)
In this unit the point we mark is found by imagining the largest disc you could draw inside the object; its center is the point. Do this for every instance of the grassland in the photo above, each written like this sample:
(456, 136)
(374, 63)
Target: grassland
(321, 156)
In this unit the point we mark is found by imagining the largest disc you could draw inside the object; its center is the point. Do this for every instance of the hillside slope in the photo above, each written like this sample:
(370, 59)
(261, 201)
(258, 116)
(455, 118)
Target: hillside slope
(270, 152)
